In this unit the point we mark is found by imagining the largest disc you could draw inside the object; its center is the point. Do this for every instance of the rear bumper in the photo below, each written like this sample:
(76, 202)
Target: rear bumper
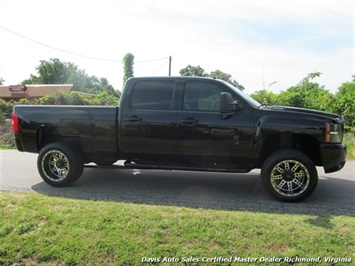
(25, 144)
(333, 156)
(18, 144)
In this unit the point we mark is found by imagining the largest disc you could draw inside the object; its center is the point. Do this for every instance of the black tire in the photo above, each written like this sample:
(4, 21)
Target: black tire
(60, 165)
(289, 175)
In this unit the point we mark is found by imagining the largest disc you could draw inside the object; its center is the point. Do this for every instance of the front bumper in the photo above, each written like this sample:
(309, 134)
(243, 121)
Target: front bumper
(333, 156)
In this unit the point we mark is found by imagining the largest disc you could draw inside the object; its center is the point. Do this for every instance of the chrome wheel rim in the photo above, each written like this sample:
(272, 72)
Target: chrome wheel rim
(55, 165)
(290, 178)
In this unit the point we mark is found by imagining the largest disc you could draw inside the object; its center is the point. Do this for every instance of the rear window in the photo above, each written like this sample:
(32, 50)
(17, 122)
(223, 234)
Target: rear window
(153, 95)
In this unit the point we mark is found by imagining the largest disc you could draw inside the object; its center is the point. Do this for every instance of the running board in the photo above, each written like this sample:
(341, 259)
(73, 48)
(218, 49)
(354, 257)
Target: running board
(129, 164)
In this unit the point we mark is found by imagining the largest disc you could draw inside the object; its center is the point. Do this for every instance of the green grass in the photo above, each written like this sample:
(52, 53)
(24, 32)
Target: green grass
(349, 141)
(42, 230)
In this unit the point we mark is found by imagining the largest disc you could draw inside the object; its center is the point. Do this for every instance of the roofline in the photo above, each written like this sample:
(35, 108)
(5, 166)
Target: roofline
(172, 77)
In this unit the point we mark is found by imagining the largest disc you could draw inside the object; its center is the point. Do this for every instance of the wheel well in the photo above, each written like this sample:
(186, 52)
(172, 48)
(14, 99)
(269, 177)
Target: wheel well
(45, 137)
(304, 143)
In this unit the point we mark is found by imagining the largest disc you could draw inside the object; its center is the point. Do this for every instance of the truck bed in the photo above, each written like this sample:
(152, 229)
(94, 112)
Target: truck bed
(93, 126)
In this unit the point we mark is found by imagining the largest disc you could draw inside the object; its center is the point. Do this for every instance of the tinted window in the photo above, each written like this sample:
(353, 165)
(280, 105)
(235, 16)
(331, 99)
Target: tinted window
(202, 96)
(153, 95)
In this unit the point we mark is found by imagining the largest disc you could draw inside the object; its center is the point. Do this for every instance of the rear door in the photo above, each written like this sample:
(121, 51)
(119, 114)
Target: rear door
(148, 119)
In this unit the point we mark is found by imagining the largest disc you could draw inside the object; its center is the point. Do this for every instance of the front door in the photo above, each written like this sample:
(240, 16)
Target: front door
(206, 139)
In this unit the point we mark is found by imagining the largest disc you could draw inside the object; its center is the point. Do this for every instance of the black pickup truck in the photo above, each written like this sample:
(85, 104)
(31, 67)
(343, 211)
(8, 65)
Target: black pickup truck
(185, 123)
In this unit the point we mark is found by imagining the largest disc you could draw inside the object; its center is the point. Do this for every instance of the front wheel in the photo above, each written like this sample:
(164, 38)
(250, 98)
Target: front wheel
(289, 175)
(60, 165)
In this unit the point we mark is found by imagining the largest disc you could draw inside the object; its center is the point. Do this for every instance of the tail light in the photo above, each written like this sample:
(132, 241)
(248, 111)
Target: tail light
(15, 127)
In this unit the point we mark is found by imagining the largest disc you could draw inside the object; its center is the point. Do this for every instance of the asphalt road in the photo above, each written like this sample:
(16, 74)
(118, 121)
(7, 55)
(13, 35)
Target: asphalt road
(335, 194)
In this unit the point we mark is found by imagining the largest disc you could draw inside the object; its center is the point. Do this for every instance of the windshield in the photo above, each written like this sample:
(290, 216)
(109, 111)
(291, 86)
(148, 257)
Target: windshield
(243, 95)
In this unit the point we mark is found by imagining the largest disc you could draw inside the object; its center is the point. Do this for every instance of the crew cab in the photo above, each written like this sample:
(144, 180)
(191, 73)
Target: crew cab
(185, 123)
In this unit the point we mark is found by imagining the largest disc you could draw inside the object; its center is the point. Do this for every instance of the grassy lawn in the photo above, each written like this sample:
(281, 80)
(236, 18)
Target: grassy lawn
(349, 141)
(42, 230)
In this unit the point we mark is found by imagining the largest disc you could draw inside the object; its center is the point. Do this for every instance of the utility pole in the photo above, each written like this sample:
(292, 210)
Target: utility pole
(169, 66)
(264, 74)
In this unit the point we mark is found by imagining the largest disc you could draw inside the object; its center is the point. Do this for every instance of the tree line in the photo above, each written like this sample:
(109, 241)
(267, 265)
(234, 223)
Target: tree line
(310, 94)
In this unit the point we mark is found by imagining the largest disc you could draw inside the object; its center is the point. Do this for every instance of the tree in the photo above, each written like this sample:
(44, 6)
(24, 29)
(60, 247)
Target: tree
(1, 81)
(345, 104)
(128, 61)
(197, 71)
(226, 77)
(51, 72)
(265, 97)
(194, 71)
(56, 72)
(310, 77)
(308, 94)
(105, 98)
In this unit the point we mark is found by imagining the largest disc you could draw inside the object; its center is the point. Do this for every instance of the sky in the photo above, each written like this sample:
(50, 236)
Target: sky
(263, 44)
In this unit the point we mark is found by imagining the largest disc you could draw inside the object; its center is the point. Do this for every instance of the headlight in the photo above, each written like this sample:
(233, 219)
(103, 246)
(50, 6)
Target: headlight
(333, 132)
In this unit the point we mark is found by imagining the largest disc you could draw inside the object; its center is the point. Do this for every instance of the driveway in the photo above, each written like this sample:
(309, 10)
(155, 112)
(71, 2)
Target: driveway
(218, 191)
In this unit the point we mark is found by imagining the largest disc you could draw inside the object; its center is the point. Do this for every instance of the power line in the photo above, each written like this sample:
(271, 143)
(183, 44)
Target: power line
(76, 54)
(160, 68)
(58, 49)
(152, 60)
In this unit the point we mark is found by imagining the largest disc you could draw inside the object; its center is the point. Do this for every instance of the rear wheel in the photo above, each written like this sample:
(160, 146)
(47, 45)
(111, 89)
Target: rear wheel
(60, 165)
(289, 175)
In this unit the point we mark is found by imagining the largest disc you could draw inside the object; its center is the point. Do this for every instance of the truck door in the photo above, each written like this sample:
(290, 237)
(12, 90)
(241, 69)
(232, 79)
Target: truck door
(205, 138)
(148, 118)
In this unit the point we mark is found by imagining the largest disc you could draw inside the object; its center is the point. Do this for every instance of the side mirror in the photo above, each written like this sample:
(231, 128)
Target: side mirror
(227, 105)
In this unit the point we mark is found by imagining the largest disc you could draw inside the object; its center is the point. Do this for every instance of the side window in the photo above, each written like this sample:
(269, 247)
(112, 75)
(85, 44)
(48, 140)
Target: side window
(153, 95)
(201, 96)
